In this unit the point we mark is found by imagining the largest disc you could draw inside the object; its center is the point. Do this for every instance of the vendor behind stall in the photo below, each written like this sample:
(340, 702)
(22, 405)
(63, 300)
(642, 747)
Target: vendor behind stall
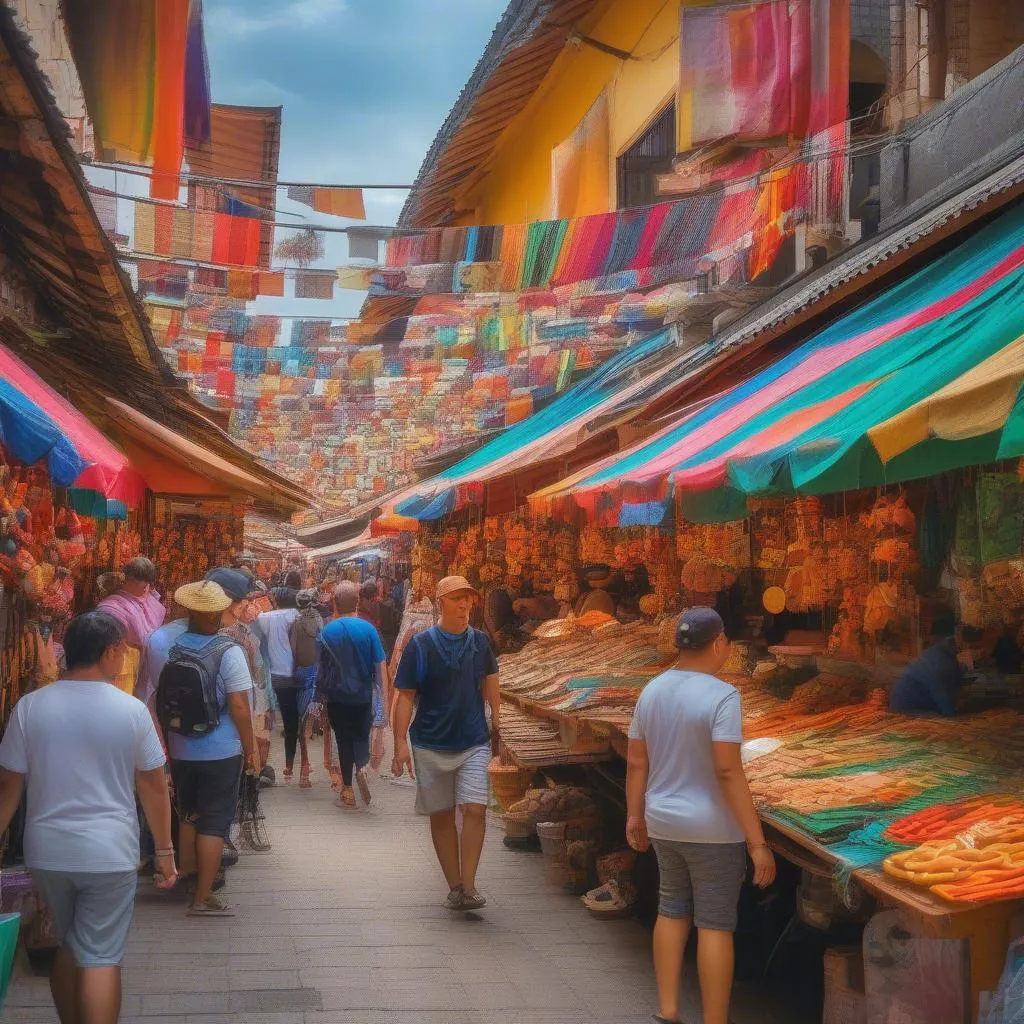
(931, 684)
(596, 598)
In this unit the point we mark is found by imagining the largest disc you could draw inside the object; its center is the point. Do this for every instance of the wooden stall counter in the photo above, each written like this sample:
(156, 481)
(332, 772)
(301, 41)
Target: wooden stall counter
(986, 925)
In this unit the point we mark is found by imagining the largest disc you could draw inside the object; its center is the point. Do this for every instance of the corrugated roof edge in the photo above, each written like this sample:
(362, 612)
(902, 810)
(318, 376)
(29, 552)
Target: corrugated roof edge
(516, 26)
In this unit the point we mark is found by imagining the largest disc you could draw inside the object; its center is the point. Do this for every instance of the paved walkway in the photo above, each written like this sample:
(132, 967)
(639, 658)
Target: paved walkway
(340, 924)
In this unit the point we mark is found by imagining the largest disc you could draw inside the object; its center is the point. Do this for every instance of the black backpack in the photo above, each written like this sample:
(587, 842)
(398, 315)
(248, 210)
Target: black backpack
(187, 702)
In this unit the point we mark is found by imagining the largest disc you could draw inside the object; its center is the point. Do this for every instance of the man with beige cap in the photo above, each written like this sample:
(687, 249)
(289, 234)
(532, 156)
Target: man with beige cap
(446, 675)
(208, 740)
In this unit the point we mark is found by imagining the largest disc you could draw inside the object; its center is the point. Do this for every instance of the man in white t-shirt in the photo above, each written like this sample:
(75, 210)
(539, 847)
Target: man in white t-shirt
(80, 749)
(686, 793)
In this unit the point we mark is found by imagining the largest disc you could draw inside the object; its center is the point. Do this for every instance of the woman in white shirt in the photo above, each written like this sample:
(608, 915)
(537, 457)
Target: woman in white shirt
(276, 627)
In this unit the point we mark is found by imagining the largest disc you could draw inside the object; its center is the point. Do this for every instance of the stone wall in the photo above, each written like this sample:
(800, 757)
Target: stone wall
(869, 23)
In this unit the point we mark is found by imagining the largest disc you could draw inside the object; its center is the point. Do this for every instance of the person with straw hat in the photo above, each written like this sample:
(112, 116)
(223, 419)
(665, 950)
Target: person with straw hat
(206, 757)
(448, 675)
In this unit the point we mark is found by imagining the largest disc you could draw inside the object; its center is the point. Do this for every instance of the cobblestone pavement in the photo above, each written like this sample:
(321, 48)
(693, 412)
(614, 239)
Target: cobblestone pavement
(340, 924)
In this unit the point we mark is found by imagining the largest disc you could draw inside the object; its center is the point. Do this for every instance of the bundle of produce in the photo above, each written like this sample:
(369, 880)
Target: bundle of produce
(958, 871)
(999, 814)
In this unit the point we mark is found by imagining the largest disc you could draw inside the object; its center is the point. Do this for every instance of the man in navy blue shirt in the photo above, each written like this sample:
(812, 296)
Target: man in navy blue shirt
(352, 664)
(931, 683)
(446, 675)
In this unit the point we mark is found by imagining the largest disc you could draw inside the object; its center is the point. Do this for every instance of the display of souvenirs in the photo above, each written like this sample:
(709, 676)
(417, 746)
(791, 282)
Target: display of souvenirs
(190, 538)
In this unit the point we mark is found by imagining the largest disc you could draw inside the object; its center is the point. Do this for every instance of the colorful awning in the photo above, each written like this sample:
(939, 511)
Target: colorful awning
(620, 382)
(38, 423)
(923, 379)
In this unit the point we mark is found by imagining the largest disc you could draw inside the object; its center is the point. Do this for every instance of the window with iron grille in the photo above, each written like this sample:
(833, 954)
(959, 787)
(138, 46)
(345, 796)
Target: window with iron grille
(651, 155)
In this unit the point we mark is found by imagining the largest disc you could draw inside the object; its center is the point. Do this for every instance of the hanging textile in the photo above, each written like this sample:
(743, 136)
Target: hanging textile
(763, 70)
(338, 202)
(236, 241)
(580, 166)
(244, 145)
(113, 46)
(197, 81)
(271, 284)
(315, 284)
(172, 32)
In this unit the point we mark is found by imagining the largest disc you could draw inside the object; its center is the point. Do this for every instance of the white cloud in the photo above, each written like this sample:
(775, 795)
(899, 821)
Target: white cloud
(300, 14)
(260, 92)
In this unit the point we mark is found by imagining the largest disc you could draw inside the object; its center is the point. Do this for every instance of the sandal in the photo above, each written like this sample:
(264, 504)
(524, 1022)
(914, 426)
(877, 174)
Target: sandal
(347, 798)
(364, 787)
(304, 780)
(288, 773)
(455, 900)
(607, 901)
(473, 900)
(213, 906)
(335, 778)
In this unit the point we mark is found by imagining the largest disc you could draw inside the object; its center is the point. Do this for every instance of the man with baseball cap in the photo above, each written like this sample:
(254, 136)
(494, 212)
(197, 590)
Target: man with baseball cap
(446, 675)
(687, 795)
(206, 769)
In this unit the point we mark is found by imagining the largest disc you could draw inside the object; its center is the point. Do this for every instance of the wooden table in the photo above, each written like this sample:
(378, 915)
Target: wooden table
(987, 925)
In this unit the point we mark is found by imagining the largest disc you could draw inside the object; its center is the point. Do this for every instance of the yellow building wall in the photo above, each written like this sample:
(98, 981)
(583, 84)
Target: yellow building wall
(516, 185)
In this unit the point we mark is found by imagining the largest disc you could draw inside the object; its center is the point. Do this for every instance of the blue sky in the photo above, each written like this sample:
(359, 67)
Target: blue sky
(365, 84)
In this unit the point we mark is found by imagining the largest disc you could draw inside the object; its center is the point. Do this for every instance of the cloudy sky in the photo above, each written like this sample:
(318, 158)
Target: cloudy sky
(365, 84)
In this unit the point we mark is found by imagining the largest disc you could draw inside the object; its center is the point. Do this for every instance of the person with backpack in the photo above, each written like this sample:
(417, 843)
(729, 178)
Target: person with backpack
(352, 664)
(303, 635)
(448, 675)
(202, 701)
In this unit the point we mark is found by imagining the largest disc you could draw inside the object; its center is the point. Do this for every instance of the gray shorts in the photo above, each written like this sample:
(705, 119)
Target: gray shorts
(447, 779)
(92, 912)
(701, 881)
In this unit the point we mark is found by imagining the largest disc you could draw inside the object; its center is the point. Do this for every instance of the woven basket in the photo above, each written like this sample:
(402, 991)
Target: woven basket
(552, 846)
(519, 825)
(509, 783)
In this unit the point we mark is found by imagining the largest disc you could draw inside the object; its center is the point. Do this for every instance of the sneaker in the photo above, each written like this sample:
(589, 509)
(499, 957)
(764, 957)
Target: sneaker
(214, 906)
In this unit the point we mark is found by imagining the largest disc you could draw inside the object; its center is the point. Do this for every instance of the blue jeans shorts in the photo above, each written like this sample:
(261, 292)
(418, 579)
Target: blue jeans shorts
(92, 912)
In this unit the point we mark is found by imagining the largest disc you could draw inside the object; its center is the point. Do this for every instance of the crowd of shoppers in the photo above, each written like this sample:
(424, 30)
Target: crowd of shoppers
(86, 755)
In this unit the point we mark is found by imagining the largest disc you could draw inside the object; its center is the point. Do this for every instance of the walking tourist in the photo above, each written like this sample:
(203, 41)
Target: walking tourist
(209, 740)
(687, 795)
(303, 637)
(447, 674)
(369, 603)
(80, 750)
(134, 602)
(352, 666)
(276, 626)
(238, 624)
